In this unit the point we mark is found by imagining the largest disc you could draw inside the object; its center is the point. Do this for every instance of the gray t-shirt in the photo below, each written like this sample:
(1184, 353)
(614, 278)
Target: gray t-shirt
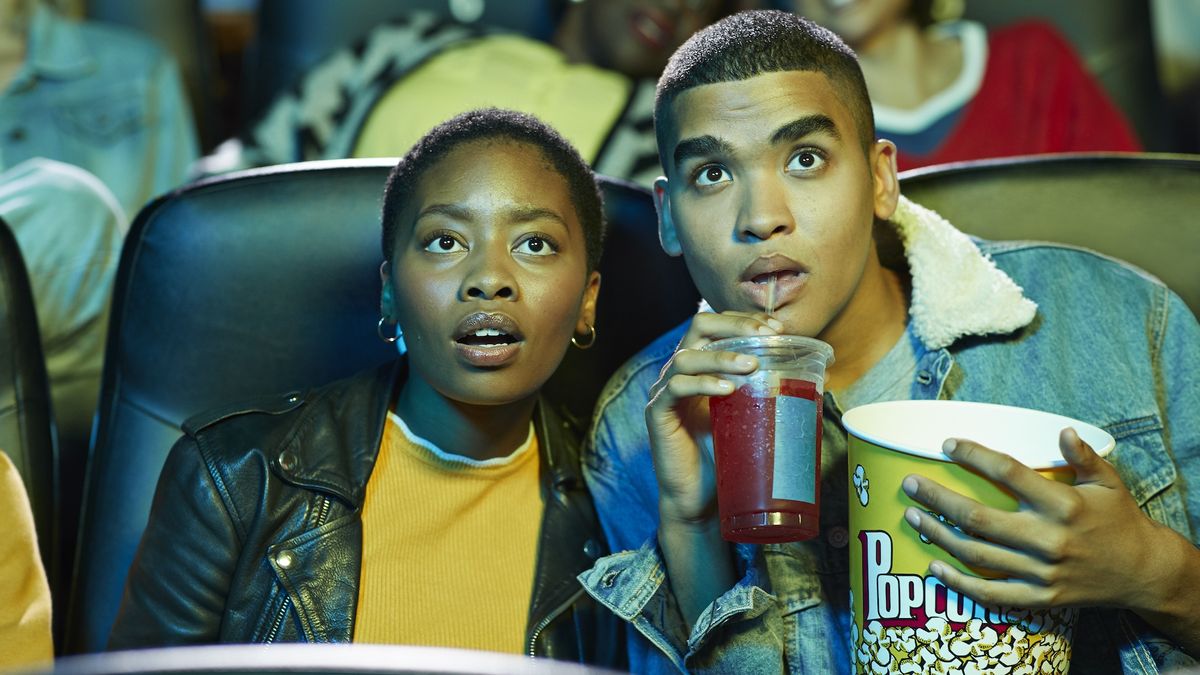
(889, 379)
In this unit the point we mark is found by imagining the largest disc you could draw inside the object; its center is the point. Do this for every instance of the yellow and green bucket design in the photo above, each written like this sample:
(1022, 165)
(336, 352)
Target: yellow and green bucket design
(905, 620)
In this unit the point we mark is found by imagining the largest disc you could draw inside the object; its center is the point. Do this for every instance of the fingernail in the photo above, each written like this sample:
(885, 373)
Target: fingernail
(937, 569)
(913, 517)
(765, 330)
(725, 385)
(909, 485)
(745, 362)
(775, 323)
(948, 446)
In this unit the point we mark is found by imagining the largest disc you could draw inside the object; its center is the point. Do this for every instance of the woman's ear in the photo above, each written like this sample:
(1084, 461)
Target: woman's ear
(667, 236)
(387, 298)
(884, 178)
(587, 307)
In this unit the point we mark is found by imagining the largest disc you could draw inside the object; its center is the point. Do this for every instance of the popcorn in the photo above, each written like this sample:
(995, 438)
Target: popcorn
(970, 648)
(861, 485)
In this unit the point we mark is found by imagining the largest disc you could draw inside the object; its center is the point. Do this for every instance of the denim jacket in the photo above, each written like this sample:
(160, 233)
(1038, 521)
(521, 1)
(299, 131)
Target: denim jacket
(1020, 323)
(101, 98)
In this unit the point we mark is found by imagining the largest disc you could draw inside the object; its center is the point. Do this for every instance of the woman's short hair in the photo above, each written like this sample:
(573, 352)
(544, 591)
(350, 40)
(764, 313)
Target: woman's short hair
(496, 124)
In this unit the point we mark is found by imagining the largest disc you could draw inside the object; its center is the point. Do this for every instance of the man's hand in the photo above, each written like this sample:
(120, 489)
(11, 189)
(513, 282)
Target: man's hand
(1086, 544)
(699, 563)
(677, 414)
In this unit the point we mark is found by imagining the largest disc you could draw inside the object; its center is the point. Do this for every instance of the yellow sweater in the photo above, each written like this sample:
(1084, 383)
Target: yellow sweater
(24, 594)
(449, 546)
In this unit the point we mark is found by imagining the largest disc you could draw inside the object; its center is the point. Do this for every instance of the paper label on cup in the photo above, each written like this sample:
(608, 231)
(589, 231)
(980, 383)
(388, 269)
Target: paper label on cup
(795, 449)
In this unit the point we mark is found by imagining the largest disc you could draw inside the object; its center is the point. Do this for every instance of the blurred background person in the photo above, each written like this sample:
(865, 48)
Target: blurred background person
(947, 90)
(594, 81)
(69, 228)
(97, 96)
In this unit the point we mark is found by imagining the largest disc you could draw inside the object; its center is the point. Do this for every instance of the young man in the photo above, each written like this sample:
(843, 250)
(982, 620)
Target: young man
(772, 169)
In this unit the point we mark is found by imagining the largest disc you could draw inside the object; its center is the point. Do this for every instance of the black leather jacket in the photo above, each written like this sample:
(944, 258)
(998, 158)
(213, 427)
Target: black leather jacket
(255, 534)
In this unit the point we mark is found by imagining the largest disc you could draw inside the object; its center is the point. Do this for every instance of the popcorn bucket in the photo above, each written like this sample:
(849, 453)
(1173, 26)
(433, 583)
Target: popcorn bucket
(905, 620)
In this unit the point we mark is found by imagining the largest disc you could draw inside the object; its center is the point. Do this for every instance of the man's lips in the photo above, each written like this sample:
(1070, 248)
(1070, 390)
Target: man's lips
(488, 340)
(790, 279)
(775, 264)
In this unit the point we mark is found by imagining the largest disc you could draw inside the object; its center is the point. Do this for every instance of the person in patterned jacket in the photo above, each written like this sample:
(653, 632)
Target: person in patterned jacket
(594, 82)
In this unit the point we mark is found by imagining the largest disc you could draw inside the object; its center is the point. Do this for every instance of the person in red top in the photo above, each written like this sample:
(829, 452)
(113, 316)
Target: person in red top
(949, 91)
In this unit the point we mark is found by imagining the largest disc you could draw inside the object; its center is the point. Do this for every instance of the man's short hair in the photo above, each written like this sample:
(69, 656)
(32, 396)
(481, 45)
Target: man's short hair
(751, 43)
(493, 124)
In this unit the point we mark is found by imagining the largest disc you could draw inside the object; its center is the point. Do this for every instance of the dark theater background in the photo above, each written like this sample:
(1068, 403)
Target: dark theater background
(189, 218)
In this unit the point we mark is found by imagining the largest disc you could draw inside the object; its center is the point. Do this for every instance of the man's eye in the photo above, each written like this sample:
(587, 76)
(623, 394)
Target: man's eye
(712, 174)
(444, 244)
(805, 160)
(535, 246)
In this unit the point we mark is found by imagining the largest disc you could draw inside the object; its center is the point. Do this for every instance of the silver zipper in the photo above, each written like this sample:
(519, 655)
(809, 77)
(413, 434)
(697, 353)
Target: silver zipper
(322, 514)
(541, 625)
(278, 619)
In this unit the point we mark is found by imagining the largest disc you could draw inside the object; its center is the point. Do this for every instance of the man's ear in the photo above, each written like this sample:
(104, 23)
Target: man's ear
(666, 224)
(883, 174)
(387, 297)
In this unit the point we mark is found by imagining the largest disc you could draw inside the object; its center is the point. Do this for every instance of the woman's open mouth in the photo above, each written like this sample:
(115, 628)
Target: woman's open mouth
(488, 340)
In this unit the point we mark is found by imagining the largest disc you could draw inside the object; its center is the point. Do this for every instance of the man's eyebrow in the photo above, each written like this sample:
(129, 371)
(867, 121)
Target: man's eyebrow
(805, 126)
(701, 146)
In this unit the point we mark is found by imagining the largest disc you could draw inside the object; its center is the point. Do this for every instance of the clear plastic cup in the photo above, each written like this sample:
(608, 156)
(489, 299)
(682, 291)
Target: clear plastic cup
(767, 440)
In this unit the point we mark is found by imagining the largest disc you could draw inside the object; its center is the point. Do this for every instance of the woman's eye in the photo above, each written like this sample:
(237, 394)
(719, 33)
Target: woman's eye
(805, 160)
(535, 246)
(711, 175)
(444, 244)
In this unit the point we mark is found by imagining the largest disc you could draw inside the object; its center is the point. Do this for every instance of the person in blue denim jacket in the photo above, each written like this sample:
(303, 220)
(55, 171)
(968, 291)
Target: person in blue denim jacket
(95, 96)
(772, 170)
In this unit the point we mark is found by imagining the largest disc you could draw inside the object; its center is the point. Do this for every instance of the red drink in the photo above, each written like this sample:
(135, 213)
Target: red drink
(768, 459)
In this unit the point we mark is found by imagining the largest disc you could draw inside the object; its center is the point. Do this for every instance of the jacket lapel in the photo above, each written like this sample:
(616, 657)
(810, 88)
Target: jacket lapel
(320, 567)
(566, 545)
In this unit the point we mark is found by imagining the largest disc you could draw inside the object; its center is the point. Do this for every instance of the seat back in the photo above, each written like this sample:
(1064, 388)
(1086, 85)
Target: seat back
(267, 281)
(26, 422)
(1140, 208)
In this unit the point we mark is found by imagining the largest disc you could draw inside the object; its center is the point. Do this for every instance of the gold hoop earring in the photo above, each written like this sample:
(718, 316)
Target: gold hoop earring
(395, 330)
(591, 339)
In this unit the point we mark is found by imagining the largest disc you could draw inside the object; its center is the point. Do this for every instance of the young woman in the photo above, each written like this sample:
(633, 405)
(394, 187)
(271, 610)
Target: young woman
(436, 501)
